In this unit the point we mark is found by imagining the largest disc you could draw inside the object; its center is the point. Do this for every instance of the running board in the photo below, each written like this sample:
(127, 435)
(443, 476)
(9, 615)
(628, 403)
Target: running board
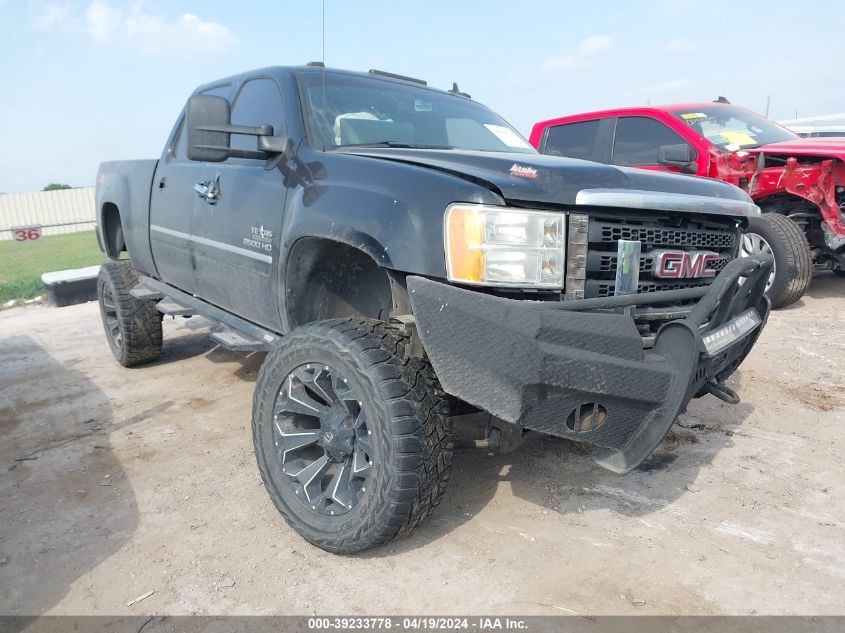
(145, 294)
(237, 342)
(237, 334)
(172, 308)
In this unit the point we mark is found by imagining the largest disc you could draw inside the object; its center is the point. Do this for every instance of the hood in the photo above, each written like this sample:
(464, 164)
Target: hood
(537, 178)
(828, 147)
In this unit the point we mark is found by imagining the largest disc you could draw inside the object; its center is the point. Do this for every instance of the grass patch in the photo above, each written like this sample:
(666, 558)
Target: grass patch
(21, 265)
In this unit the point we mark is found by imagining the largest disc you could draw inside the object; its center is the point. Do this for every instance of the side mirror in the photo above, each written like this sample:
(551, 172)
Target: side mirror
(206, 120)
(681, 155)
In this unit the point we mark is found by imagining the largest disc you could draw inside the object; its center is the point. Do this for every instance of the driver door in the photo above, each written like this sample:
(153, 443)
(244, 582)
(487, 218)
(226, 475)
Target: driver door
(236, 238)
(637, 142)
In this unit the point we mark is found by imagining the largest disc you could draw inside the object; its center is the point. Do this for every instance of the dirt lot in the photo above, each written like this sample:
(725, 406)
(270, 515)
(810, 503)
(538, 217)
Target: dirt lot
(117, 482)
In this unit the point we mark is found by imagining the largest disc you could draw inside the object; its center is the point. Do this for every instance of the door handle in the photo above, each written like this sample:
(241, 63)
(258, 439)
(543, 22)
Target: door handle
(209, 190)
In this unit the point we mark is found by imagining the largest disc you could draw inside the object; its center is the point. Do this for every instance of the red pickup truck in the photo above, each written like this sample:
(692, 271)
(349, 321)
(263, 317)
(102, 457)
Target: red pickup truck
(787, 176)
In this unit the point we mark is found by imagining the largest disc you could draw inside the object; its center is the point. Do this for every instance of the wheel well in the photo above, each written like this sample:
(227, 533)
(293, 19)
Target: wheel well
(800, 210)
(327, 279)
(113, 231)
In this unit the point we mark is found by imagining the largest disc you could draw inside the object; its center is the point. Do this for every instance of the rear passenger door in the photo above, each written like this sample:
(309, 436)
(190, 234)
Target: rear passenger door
(637, 140)
(587, 140)
(236, 240)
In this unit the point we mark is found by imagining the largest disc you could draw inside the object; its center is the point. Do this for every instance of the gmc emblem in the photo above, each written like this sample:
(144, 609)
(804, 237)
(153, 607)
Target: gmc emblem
(682, 265)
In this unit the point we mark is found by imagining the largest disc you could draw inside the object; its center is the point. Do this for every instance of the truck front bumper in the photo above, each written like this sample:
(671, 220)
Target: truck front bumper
(578, 369)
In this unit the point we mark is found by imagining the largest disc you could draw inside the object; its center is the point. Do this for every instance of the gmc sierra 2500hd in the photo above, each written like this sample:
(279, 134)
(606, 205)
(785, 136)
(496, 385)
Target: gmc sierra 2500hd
(406, 258)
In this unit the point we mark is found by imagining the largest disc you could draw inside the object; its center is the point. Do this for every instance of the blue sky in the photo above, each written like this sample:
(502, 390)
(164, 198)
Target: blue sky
(86, 81)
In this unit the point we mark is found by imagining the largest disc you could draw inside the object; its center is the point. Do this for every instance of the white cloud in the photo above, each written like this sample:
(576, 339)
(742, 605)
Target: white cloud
(151, 34)
(102, 22)
(681, 46)
(582, 57)
(52, 17)
(189, 34)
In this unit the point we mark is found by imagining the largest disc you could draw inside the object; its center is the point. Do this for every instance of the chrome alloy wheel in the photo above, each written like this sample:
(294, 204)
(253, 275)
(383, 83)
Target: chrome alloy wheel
(321, 438)
(754, 244)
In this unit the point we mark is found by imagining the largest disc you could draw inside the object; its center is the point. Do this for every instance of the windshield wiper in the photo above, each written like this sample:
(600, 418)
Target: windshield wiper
(395, 144)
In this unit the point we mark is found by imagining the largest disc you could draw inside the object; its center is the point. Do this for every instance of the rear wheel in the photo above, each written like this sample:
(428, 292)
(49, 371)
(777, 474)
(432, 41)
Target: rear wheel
(132, 326)
(351, 435)
(793, 270)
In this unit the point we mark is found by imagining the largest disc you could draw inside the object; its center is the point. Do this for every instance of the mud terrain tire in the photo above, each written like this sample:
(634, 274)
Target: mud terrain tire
(132, 326)
(409, 431)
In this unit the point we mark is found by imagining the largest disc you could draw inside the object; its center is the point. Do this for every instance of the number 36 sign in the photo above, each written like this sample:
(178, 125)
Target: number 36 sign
(27, 234)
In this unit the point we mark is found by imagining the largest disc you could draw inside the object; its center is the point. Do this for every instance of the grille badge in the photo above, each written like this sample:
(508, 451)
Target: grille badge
(683, 264)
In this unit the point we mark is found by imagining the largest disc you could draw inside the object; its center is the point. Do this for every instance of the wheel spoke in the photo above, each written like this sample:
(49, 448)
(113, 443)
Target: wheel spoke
(298, 400)
(360, 463)
(342, 390)
(294, 441)
(311, 478)
(360, 419)
(339, 487)
(321, 383)
(365, 443)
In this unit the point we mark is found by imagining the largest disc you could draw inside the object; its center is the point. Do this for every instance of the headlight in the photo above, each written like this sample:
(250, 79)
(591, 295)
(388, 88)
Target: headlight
(500, 246)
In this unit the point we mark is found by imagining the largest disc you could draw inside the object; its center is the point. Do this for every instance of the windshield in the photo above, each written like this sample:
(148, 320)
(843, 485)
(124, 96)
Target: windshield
(345, 111)
(731, 128)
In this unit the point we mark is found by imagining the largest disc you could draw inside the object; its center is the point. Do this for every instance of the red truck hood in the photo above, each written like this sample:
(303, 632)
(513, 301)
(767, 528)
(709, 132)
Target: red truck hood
(833, 147)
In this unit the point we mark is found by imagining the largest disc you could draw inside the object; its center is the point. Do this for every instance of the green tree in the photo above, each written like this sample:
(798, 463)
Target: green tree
(55, 186)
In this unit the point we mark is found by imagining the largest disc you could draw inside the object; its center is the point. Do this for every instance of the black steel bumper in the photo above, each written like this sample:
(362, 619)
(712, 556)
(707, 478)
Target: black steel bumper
(549, 366)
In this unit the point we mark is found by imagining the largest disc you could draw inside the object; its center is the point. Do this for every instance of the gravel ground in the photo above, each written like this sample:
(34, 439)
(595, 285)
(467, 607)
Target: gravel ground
(115, 483)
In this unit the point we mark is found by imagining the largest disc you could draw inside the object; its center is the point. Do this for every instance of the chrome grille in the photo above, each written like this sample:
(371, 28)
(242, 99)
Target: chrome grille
(598, 268)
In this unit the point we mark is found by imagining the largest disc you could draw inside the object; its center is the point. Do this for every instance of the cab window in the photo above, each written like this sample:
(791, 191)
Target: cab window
(638, 138)
(258, 103)
(574, 140)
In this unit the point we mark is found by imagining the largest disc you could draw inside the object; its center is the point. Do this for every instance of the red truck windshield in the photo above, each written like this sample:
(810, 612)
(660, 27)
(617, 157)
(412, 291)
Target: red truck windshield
(345, 110)
(731, 128)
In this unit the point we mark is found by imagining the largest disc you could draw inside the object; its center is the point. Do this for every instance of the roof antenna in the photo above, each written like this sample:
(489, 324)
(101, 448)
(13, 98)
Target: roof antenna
(721, 100)
(457, 91)
(324, 33)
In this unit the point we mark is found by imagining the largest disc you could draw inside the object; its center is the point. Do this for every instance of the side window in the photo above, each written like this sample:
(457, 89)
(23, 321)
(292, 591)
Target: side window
(180, 151)
(575, 140)
(259, 102)
(180, 146)
(638, 138)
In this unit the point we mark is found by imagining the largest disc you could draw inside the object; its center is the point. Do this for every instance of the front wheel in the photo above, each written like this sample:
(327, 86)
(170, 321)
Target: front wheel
(351, 435)
(782, 238)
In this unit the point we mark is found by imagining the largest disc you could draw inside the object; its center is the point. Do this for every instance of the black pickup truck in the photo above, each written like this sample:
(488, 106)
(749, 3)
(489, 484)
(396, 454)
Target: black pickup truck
(409, 261)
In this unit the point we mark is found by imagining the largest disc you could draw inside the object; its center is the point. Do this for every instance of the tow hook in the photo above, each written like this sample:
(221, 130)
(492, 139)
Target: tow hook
(721, 391)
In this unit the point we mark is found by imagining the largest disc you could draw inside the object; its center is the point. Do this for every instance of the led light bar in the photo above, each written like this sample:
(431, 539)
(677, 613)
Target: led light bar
(734, 330)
